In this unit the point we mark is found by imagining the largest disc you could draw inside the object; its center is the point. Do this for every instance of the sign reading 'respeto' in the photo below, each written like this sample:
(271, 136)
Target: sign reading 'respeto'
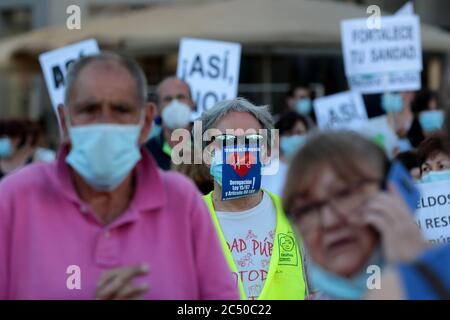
(55, 63)
(343, 110)
(433, 211)
(396, 46)
(211, 68)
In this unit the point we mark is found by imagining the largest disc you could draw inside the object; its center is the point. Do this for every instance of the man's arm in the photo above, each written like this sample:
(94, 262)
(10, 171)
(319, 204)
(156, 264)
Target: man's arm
(5, 241)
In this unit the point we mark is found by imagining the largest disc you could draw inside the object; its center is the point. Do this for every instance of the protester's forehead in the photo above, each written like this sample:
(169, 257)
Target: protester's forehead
(241, 121)
(105, 78)
(438, 155)
(320, 179)
(173, 86)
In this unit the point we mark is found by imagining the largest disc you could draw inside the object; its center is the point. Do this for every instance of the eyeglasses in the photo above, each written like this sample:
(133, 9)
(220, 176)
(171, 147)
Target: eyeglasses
(343, 203)
(229, 139)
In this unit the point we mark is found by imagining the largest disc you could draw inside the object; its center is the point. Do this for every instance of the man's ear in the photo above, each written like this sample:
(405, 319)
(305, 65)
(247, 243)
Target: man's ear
(63, 123)
(149, 112)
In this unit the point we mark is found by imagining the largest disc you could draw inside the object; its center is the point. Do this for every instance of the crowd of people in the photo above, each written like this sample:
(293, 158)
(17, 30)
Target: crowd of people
(114, 204)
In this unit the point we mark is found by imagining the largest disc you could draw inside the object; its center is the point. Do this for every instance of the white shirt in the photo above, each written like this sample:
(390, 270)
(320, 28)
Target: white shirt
(250, 235)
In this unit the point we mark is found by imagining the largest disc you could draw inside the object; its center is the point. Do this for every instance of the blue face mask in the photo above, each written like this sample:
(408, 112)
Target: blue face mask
(290, 144)
(5, 147)
(434, 176)
(392, 102)
(337, 287)
(104, 154)
(303, 106)
(155, 131)
(431, 120)
(216, 169)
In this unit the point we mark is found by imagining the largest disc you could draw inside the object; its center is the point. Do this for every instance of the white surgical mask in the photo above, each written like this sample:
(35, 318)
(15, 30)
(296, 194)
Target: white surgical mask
(176, 115)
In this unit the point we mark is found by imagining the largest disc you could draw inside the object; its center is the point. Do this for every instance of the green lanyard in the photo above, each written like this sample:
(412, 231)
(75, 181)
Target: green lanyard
(167, 149)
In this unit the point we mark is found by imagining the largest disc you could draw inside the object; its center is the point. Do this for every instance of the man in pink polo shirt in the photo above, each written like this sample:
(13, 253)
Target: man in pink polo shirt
(102, 222)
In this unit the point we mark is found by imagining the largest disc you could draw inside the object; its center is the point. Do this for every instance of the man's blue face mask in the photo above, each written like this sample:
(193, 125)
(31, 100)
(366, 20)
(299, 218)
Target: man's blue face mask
(431, 120)
(104, 154)
(392, 102)
(303, 106)
(5, 147)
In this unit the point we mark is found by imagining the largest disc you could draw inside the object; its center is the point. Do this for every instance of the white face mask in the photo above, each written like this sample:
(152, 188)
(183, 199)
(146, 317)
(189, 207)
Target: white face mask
(176, 115)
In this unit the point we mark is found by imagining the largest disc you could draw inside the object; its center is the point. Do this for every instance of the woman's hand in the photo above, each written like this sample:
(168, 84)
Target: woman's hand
(389, 215)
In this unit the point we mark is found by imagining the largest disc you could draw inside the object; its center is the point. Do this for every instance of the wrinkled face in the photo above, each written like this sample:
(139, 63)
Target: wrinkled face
(174, 89)
(439, 162)
(330, 231)
(105, 92)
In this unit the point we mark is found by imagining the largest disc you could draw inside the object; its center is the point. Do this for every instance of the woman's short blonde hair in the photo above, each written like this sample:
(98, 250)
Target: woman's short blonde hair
(352, 157)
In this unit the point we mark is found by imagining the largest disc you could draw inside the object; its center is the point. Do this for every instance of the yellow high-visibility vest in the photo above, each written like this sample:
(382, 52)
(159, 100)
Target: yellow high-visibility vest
(285, 279)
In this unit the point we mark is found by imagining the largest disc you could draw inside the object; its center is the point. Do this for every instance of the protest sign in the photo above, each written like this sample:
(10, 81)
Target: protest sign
(385, 82)
(406, 10)
(55, 63)
(433, 211)
(241, 175)
(391, 81)
(395, 47)
(211, 68)
(379, 130)
(343, 110)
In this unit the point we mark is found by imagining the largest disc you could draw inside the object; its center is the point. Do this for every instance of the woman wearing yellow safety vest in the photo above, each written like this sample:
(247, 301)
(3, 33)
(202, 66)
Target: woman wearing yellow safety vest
(258, 241)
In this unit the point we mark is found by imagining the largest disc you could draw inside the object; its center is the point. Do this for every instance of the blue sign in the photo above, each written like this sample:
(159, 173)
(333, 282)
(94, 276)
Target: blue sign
(241, 171)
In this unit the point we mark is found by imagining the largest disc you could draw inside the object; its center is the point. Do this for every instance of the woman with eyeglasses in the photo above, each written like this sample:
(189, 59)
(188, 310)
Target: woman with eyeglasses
(256, 237)
(350, 226)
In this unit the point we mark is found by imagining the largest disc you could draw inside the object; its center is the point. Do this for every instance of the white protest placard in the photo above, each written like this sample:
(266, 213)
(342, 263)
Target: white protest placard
(379, 130)
(388, 82)
(406, 10)
(343, 110)
(211, 68)
(395, 47)
(55, 63)
(433, 211)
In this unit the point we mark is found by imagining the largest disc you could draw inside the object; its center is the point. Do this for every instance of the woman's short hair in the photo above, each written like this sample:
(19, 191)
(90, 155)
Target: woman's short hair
(430, 147)
(352, 157)
(288, 120)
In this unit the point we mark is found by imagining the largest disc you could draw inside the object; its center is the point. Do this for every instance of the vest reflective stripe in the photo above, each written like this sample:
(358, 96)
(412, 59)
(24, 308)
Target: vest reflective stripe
(285, 279)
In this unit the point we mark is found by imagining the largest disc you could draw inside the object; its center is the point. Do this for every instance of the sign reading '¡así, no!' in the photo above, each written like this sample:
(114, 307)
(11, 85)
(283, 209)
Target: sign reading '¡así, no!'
(343, 110)
(393, 47)
(55, 63)
(433, 211)
(211, 68)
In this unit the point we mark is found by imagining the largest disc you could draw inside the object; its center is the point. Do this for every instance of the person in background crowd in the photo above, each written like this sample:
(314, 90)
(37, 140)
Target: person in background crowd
(256, 237)
(398, 108)
(199, 174)
(19, 145)
(300, 99)
(103, 221)
(335, 198)
(292, 132)
(427, 117)
(427, 277)
(410, 161)
(434, 161)
(174, 107)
